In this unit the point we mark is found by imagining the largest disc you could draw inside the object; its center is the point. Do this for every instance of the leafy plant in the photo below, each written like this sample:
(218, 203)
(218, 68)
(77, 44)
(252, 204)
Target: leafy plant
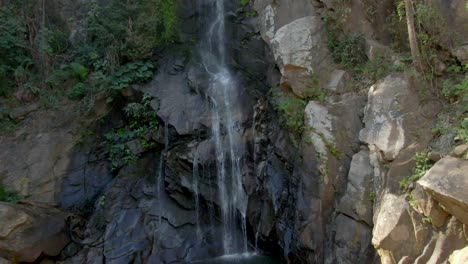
(455, 91)
(131, 73)
(78, 91)
(142, 120)
(292, 109)
(422, 166)
(243, 3)
(350, 51)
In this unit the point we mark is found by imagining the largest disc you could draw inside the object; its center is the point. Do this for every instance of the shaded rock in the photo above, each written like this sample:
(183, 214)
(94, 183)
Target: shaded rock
(461, 53)
(460, 151)
(28, 232)
(339, 81)
(426, 205)
(352, 241)
(20, 113)
(434, 156)
(5, 261)
(447, 182)
(357, 201)
(375, 49)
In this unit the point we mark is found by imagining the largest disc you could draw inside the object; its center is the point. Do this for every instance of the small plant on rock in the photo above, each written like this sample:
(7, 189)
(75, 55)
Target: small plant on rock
(422, 166)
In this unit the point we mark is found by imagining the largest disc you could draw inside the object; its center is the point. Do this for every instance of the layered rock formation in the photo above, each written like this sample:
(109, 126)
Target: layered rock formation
(329, 195)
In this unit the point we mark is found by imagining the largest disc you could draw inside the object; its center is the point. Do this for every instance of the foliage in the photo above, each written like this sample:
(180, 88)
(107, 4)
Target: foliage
(314, 91)
(142, 120)
(8, 196)
(462, 131)
(78, 91)
(375, 69)
(244, 3)
(456, 92)
(422, 166)
(123, 31)
(13, 52)
(349, 51)
(292, 110)
(131, 73)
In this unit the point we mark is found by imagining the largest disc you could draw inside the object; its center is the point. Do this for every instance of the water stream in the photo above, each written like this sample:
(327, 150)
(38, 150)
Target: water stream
(225, 129)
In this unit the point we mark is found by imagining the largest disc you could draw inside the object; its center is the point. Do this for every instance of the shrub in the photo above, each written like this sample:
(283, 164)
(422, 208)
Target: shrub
(78, 91)
(422, 166)
(292, 109)
(350, 51)
(142, 120)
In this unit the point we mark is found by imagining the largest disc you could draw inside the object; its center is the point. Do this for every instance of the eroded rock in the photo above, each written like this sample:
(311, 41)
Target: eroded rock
(28, 232)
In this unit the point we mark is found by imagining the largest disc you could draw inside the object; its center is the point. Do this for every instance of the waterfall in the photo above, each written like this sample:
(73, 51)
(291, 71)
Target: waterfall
(225, 130)
(195, 177)
(160, 174)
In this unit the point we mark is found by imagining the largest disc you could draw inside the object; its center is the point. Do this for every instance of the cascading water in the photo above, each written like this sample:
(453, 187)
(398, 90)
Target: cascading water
(195, 177)
(225, 129)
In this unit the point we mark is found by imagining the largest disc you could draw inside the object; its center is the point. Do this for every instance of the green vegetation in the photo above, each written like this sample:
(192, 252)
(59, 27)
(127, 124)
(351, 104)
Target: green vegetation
(291, 109)
(457, 92)
(422, 166)
(462, 131)
(314, 91)
(142, 121)
(348, 51)
(372, 196)
(122, 37)
(244, 3)
(8, 196)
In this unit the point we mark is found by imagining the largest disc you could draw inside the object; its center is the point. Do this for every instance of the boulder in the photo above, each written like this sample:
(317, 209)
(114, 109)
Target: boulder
(29, 232)
(460, 151)
(302, 43)
(459, 256)
(398, 231)
(447, 183)
(385, 115)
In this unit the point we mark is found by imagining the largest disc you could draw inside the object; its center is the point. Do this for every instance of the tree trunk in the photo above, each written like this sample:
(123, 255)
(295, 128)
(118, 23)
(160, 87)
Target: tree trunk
(415, 53)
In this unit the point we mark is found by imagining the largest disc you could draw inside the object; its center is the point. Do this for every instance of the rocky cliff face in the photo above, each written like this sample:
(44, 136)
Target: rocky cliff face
(328, 192)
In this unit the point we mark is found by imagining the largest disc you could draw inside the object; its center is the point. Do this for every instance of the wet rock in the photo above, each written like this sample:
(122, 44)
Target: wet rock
(447, 182)
(28, 232)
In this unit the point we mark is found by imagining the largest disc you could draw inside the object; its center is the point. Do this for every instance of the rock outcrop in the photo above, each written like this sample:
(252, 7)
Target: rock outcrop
(28, 232)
